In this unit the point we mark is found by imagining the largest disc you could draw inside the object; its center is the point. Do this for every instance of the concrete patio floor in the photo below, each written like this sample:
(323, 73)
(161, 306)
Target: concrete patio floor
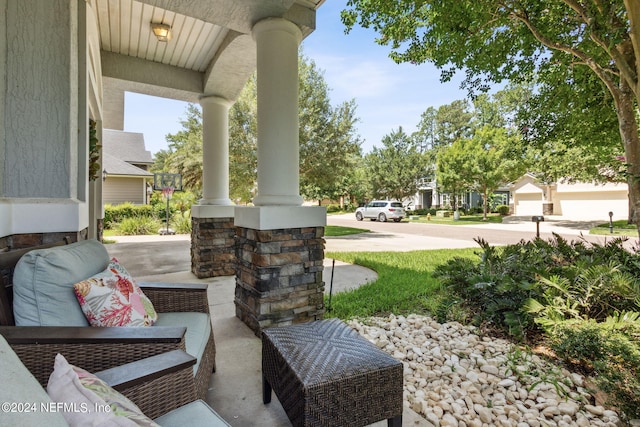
(236, 387)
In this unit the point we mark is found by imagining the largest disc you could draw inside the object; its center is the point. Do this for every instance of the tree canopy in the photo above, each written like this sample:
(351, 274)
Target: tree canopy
(329, 145)
(392, 171)
(516, 40)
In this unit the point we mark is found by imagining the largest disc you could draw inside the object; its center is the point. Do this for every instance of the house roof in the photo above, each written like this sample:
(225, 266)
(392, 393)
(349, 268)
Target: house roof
(126, 146)
(114, 166)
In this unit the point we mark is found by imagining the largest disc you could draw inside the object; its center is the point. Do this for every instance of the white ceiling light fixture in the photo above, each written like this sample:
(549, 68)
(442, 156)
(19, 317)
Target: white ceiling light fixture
(161, 31)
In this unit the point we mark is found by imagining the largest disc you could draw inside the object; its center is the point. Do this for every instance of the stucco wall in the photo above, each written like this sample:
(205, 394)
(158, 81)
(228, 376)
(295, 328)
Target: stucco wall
(3, 90)
(41, 96)
(43, 104)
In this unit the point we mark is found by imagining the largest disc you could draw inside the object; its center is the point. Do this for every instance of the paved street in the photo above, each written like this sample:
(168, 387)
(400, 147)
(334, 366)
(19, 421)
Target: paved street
(155, 254)
(405, 236)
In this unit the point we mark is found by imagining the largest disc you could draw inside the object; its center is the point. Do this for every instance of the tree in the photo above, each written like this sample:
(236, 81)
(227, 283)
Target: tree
(496, 40)
(439, 128)
(329, 145)
(425, 136)
(243, 137)
(493, 160)
(185, 150)
(394, 169)
(453, 121)
(572, 130)
(451, 162)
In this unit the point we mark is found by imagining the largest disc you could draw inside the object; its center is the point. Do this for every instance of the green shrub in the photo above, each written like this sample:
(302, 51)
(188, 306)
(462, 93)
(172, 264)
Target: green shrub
(611, 355)
(593, 292)
(424, 212)
(502, 209)
(333, 208)
(181, 223)
(586, 298)
(504, 285)
(114, 214)
(138, 226)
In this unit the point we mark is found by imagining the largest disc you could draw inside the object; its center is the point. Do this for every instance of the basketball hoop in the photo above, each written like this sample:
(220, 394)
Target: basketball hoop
(167, 192)
(167, 183)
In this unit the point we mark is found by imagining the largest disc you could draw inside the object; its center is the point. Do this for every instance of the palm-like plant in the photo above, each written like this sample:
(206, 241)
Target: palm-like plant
(592, 294)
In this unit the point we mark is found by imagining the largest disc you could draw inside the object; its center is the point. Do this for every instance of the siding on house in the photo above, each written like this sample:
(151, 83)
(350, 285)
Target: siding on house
(124, 189)
(125, 161)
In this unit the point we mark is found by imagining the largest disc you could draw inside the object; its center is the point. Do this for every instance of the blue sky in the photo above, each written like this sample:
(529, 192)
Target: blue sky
(388, 95)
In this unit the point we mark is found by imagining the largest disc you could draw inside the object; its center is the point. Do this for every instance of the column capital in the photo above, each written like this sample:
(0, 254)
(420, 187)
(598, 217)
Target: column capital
(277, 24)
(214, 99)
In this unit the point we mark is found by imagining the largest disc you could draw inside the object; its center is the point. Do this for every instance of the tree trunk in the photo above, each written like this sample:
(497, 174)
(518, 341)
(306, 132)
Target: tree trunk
(486, 203)
(626, 112)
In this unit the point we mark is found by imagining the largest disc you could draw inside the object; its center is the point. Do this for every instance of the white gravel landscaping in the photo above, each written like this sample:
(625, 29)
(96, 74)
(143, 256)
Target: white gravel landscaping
(453, 377)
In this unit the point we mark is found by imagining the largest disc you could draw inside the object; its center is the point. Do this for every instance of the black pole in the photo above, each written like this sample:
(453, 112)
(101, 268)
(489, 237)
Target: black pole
(167, 217)
(333, 266)
(611, 222)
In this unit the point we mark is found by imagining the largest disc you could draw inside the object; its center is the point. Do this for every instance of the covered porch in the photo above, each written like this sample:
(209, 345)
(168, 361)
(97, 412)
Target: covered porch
(62, 88)
(236, 387)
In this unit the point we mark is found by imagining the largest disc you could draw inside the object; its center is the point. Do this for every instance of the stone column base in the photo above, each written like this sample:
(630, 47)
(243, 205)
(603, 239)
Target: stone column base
(279, 276)
(547, 208)
(29, 240)
(212, 247)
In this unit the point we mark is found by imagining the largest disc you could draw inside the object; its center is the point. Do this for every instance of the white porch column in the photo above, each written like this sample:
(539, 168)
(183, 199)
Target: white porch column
(277, 43)
(215, 151)
(279, 242)
(212, 229)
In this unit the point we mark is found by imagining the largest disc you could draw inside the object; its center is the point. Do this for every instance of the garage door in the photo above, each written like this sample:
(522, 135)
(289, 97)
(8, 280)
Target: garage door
(594, 205)
(528, 204)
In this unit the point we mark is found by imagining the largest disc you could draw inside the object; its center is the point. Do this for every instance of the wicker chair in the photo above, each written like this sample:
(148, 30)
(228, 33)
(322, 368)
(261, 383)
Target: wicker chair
(97, 349)
(161, 386)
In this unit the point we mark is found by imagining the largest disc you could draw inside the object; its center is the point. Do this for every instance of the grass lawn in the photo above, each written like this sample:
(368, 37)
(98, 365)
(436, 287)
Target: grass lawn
(464, 219)
(620, 228)
(404, 283)
(335, 230)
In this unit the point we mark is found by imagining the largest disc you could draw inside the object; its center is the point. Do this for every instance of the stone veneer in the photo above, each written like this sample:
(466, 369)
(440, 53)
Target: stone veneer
(29, 240)
(279, 276)
(212, 247)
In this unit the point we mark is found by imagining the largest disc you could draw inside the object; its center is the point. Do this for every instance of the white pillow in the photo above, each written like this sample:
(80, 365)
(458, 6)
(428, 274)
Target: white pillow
(86, 400)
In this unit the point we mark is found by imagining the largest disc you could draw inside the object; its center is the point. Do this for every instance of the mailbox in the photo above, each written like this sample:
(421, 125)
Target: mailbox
(537, 219)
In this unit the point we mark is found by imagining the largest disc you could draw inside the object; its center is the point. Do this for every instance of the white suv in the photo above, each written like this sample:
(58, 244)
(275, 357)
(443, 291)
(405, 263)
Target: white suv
(381, 210)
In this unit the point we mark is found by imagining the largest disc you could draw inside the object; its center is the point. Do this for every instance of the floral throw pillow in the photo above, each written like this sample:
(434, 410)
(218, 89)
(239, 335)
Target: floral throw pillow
(112, 298)
(89, 401)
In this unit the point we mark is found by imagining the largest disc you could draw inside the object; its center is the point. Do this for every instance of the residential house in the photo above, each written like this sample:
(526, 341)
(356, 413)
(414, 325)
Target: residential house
(577, 201)
(429, 197)
(125, 168)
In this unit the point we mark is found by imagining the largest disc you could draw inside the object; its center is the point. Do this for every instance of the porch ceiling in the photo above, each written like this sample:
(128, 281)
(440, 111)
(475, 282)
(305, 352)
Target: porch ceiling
(211, 51)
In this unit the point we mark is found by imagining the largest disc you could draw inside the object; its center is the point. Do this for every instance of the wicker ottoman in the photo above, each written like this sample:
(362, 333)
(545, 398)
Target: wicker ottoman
(325, 374)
